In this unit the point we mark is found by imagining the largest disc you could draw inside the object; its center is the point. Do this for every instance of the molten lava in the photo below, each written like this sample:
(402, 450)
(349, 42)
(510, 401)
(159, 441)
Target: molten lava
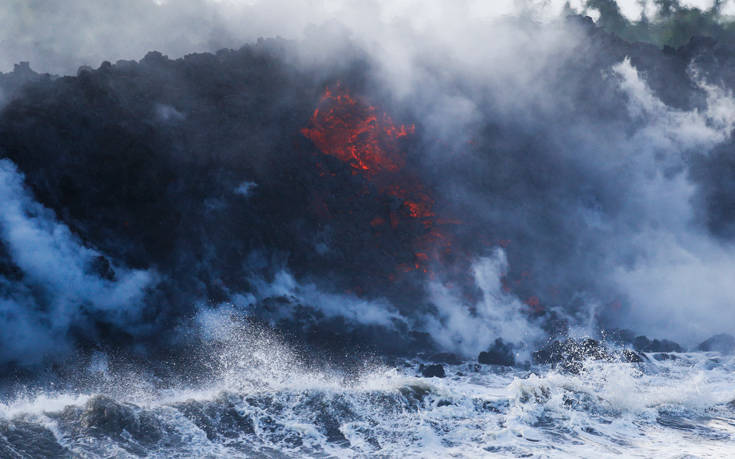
(368, 140)
(354, 132)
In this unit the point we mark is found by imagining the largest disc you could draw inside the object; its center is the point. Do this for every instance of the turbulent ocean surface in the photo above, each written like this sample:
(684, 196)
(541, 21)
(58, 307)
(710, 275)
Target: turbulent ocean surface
(278, 228)
(264, 404)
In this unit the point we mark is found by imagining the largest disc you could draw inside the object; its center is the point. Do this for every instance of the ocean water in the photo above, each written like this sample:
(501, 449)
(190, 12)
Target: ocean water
(263, 401)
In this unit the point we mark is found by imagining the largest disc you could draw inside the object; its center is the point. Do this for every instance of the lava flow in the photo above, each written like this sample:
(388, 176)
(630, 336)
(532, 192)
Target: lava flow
(347, 129)
(368, 140)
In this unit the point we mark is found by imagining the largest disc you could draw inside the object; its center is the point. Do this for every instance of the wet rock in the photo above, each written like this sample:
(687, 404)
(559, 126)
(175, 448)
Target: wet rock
(102, 419)
(500, 353)
(640, 343)
(560, 351)
(432, 371)
(722, 343)
(570, 354)
(414, 395)
(105, 416)
(643, 344)
(626, 355)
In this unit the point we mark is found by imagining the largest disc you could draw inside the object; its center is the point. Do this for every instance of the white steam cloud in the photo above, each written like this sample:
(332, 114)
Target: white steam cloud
(58, 285)
(59, 37)
(680, 286)
(469, 329)
(351, 307)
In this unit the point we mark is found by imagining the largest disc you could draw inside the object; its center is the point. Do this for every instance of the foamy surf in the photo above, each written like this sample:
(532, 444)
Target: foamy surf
(676, 408)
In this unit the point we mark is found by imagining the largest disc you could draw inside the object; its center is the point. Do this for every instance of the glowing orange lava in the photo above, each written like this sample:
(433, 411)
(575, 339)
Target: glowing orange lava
(355, 132)
(366, 139)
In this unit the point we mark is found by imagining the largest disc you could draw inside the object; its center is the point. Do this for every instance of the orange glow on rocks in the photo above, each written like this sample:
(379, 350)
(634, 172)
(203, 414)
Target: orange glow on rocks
(367, 139)
(356, 133)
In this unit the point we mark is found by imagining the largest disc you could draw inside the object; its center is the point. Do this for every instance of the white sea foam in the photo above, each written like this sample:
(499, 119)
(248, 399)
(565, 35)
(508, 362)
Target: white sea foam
(263, 400)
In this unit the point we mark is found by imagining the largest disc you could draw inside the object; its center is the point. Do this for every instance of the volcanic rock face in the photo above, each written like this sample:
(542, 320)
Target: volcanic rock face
(214, 174)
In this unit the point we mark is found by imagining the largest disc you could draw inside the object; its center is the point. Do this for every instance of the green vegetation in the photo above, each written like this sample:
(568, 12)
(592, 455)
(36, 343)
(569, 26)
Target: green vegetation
(673, 25)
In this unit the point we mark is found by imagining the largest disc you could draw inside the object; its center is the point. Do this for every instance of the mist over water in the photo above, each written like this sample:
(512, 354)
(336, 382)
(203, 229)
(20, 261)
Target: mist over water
(325, 228)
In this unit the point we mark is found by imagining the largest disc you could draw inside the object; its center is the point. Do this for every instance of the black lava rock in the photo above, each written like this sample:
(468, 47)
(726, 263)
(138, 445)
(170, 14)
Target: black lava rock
(643, 344)
(432, 371)
(722, 343)
(570, 354)
(631, 356)
(559, 351)
(640, 343)
(500, 353)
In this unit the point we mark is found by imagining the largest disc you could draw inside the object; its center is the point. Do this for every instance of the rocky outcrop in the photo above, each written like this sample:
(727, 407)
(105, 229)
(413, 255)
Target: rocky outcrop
(432, 371)
(500, 353)
(569, 355)
(643, 344)
(722, 343)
